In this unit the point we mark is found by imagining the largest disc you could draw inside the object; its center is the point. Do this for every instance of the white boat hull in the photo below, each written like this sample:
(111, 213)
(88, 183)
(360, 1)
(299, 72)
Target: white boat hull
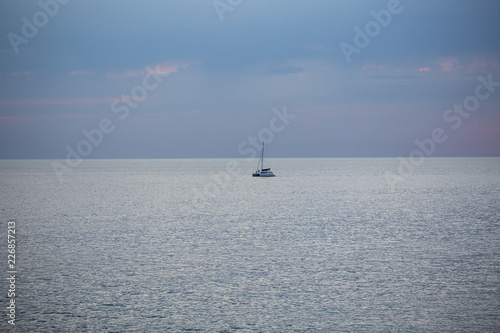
(263, 174)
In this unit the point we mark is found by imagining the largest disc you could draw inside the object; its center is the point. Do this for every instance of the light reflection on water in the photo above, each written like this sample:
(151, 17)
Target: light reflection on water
(327, 245)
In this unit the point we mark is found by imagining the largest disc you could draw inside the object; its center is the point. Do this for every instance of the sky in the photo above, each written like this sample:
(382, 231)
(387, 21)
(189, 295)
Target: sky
(216, 78)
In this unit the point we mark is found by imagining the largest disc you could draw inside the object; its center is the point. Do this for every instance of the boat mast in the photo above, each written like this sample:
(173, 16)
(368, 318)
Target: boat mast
(260, 165)
(262, 157)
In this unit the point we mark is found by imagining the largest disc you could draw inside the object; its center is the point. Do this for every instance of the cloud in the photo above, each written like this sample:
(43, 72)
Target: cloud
(160, 69)
(368, 65)
(469, 64)
(478, 62)
(233, 72)
(448, 65)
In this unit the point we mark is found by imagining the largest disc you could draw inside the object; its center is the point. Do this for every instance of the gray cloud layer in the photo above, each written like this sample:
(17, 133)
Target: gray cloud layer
(221, 79)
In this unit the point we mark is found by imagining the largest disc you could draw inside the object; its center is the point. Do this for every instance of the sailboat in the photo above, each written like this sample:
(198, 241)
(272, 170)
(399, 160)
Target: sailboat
(261, 172)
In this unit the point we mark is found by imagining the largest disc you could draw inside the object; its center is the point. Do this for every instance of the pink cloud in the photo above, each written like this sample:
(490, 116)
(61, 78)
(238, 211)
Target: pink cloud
(471, 65)
(424, 69)
(482, 64)
(160, 69)
(448, 64)
(167, 69)
(368, 65)
(476, 63)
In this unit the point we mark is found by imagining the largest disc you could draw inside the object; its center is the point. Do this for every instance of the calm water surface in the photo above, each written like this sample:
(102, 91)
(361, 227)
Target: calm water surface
(183, 245)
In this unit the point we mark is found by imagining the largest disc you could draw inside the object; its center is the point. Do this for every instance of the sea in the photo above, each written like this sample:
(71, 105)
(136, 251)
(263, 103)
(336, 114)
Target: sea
(199, 245)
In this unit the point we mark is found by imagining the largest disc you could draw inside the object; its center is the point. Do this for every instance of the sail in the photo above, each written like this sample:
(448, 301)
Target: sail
(260, 165)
